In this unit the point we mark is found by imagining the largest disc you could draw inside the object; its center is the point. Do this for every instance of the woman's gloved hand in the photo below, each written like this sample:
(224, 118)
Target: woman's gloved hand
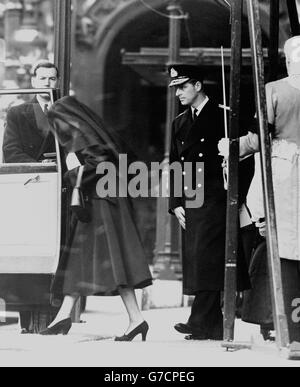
(261, 225)
(223, 147)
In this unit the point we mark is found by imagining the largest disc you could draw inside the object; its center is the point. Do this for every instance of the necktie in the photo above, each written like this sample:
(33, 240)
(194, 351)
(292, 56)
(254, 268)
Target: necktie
(195, 114)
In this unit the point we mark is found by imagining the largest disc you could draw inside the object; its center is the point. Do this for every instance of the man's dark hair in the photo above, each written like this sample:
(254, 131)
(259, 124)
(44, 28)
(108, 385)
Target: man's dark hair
(43, 64)
(194, 81)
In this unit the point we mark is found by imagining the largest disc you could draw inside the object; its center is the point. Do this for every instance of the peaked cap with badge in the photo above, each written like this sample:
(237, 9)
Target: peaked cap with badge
(180, 74)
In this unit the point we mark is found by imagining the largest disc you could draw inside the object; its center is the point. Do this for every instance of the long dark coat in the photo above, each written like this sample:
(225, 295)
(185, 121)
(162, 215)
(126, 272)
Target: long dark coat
(204, 237)
(105, 253)
(257, 305)
(24, 141)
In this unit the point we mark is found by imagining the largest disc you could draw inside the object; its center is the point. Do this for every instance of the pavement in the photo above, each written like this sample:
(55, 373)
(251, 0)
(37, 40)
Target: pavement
(91, 344)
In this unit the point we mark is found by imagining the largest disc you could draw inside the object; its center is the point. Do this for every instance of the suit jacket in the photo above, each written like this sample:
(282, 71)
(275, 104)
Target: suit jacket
(24, 141)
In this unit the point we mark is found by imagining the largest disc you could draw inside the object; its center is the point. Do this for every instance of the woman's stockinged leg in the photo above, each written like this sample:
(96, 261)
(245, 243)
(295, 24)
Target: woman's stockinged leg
(129, 299)
(65, 310)
(62, 323)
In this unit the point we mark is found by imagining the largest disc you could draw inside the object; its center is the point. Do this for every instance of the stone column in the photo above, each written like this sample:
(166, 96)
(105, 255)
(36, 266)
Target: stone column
(167, 263)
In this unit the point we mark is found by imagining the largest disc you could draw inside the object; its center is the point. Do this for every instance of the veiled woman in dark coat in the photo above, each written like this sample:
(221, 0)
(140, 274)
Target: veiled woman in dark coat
(105, 255)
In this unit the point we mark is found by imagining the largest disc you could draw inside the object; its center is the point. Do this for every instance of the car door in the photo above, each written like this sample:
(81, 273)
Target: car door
(30, 223)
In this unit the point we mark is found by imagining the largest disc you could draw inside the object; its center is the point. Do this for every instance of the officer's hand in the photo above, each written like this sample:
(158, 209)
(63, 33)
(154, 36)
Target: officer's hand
(223, 147)
(47, 161)
(180, 215)
(261, 228)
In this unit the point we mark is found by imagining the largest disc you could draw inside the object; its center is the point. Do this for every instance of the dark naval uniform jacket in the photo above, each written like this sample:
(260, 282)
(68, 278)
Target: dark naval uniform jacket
(204, 237)
(26, 136)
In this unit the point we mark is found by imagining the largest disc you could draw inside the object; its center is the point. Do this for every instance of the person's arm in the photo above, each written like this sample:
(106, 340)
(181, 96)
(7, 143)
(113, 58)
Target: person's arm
(174, 202)
(12, 148)
(91, 158)
(249, 144)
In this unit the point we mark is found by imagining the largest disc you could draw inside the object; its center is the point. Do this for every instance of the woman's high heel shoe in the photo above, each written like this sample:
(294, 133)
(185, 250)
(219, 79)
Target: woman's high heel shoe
(140, 329)
(61, 328)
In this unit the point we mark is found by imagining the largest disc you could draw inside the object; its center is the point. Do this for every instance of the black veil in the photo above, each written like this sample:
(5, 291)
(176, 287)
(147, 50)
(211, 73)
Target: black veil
(77, 127)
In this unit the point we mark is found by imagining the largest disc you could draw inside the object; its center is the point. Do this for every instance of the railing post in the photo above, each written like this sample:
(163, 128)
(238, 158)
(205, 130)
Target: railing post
(62, 54)
(232, 224)
(293, 15)
(274, 40)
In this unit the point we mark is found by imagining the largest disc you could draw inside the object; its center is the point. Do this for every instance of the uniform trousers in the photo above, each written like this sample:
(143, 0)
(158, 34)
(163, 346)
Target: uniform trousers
(206, 317)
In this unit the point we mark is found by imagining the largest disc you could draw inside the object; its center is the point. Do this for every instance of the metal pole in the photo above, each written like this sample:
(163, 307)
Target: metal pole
(274, 40)
(279, 316)
(62, 46)
(62, 59)
(294, 18)
(232, 226)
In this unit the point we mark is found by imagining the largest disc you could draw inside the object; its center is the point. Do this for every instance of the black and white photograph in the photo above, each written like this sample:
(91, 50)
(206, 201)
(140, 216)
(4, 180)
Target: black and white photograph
(149, 186)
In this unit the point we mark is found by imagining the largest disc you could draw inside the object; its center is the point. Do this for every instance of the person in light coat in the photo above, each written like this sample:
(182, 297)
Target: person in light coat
(283, 108)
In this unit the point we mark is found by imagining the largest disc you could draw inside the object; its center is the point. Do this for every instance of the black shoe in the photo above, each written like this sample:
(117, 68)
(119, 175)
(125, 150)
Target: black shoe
(204, 337)
(196, 337)
(25, 331)
(61, 328)
(140, 329)
(183, 328)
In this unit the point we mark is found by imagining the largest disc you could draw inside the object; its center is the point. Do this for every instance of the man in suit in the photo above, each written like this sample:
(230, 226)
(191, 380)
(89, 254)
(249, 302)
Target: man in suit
(194, 139)
(27, 137)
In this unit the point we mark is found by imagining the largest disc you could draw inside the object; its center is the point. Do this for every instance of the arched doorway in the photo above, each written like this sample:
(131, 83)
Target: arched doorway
(127, 102)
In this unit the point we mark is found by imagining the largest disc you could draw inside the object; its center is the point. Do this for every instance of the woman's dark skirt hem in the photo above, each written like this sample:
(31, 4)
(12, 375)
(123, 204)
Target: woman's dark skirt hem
(106, 292)
(104, 254)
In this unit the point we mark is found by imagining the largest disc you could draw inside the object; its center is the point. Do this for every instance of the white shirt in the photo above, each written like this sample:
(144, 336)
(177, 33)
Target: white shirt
(200, 107)
(43, 104)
